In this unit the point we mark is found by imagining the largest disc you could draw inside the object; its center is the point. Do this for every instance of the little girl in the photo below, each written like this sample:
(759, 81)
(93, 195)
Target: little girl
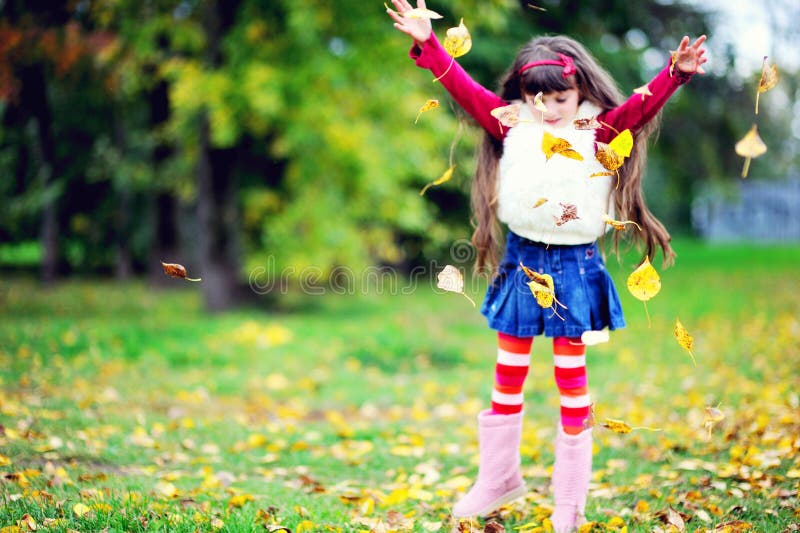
(555, 208)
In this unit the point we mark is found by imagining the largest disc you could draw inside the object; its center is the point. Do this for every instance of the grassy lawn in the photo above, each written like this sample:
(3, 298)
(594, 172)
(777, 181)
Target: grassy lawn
(124, 408)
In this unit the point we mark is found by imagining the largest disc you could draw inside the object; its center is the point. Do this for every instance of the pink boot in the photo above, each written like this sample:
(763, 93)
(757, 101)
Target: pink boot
(499, 480)
(571, 473)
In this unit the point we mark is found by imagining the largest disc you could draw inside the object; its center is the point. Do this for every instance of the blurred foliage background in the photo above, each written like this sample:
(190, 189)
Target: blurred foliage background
(232, 136)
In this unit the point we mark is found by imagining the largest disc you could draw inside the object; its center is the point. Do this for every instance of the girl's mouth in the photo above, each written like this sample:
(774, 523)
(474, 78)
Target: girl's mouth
(552, 121)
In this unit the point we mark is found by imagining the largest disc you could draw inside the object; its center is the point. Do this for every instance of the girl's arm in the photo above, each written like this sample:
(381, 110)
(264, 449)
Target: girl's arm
(635, 112)
(428, 53)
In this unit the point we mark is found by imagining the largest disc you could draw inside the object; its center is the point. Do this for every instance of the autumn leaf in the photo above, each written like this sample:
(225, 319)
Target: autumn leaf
(619, 225)
(734, 526)
(420, 13)
(451, 280)
(538, 103)
(543, 289)
(81, 509)
(618, 426)
(684, 339)
(427, 106)
(591, 338)
(769, 79)
(713, 416)
(540, 202)
(176, 271)
(587, 124)
(568, 212)
(610, 159)
(448, 174)
(622, 144)
(644, 283)
(673, 58)
(458, 41)
(644, 90)
(552, 145)
(750, 147)
(507, 115)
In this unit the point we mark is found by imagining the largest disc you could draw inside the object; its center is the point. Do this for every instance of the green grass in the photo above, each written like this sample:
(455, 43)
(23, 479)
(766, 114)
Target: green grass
(335, 406)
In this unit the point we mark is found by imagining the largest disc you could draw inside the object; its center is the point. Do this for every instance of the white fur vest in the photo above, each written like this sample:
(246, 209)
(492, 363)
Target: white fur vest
(526, 176)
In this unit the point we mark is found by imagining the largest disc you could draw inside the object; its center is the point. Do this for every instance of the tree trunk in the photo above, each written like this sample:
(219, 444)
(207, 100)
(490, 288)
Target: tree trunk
(35, 101)
(217, 199)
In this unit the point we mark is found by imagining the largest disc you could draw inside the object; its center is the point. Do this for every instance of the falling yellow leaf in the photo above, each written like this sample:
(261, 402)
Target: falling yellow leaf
(601, 174)
(750, 147)
(458, 41)
(540, 202)
(507, 115)
(673, 58)
(81, 509)
(176, 271)
(644, 90)
(587, 124)
(538, 103)
(610, 159)
(427, 106)
(769, 79)
(618, 426)
(552, 145)
(442, 179)
(622, 143)
(421, 13)
(644, 282)
(684, 339)
(619, 225)
(543, 289)
(451, 280)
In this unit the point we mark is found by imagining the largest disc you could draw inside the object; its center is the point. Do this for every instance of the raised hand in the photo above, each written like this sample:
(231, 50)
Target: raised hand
(690, 58)
(417, 29)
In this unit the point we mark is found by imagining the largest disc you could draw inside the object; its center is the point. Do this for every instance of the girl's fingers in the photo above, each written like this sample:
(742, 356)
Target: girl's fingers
(700, 40)
(421, 4)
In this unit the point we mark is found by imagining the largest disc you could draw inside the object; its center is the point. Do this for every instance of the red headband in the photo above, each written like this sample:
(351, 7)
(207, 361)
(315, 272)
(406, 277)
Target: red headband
(563, 61)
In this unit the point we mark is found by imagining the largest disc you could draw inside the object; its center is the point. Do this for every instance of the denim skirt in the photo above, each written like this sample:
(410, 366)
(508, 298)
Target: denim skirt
(581, 283)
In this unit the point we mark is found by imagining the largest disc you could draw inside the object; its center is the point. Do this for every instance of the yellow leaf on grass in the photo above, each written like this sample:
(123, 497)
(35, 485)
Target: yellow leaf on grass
(167, 489)
(644, 282)
(448, 174)
(427, 106)
(769, 79)
(451, 280)
(81, 509)
(458, 41)
(240, 499)
(552, 145)
(684, 339)
(750, 146)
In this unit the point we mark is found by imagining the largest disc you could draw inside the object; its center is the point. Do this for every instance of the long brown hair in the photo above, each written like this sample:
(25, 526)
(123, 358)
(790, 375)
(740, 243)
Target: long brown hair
(595, 85)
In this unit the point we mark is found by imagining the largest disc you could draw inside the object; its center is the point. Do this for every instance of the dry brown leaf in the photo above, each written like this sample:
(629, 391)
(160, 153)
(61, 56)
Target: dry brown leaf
(568, 212)
(507, 115)
(427, 106)
(451, 280)
(750, 146)
(769, 79)
(176, 271)
(587, 124)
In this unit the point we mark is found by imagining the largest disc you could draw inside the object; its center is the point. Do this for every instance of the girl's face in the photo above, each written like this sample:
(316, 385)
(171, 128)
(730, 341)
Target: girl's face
(562, 106)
